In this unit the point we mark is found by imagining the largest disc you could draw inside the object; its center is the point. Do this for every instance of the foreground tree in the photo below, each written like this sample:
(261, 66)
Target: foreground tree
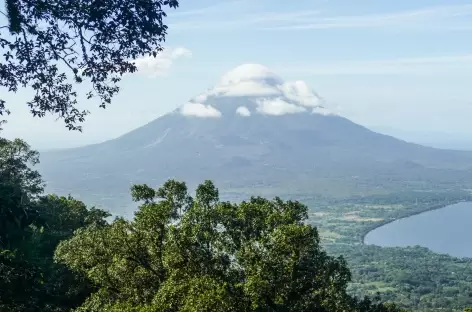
(31, 226)
(185, 254)
(48, 45)
(20, 185)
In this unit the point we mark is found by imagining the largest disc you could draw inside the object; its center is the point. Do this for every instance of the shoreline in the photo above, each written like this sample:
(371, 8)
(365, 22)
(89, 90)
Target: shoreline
(432, 208)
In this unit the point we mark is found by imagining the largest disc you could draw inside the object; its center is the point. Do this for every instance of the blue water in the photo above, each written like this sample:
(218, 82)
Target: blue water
(447, 230)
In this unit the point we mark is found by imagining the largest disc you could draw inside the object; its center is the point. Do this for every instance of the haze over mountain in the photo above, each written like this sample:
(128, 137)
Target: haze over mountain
(252, 132)
(444, 140)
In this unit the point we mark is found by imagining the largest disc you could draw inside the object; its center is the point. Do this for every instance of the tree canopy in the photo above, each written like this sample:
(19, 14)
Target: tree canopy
(31, 226)
(52, 45)
(199, 254)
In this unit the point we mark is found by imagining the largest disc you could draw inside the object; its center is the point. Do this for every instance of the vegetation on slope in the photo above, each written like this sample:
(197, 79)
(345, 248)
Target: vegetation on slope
(413, 277)
(177, 254)
(31, 226)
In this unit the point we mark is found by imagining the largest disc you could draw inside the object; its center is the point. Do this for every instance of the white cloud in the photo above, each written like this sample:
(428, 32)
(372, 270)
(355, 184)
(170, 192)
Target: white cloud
(255, 80)
(248, 80)
(256, 18)
(298, 91)
(404, 19)
(245, 80)
(161, 64)
(441, 17)
(243, 111)
(250, 72)
(277, 107)
(200, 110)
(322, 111)
(247, 88)
(201, 98)
(180, 52)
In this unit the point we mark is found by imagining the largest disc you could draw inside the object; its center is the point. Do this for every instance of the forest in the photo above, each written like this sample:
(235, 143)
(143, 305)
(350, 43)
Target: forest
(415, 278)
(178, 253)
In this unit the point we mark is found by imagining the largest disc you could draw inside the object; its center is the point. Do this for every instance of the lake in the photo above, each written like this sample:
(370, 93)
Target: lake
(446, 230)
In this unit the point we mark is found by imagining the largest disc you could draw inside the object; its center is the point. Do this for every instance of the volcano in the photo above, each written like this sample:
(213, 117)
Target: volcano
(253, 132)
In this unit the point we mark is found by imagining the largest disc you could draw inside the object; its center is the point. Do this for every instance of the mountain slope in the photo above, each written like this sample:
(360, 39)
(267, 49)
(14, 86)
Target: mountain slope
(253, 130)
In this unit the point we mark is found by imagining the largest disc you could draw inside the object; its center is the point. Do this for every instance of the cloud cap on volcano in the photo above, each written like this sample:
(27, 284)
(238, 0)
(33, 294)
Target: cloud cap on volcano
(250, 72)
(266, 91)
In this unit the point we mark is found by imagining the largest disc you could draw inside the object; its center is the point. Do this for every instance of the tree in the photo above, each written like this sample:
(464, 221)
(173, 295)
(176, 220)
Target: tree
(49, 45)
(200, 254)
(31, 226)
(19, 186)
(58, 288)
(31, 280)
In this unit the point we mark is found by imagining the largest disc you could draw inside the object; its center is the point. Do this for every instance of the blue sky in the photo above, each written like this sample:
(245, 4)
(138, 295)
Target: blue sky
(401, 64)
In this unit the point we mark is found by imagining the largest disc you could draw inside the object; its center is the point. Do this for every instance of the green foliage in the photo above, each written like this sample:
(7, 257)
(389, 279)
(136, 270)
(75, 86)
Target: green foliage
(50, 45)
(31, 226)
(199, 254)
(19, 186)
(31, 280)
(413, 277)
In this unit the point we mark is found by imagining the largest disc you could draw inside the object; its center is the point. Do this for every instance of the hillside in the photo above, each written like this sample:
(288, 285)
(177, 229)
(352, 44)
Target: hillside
(252, 132)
